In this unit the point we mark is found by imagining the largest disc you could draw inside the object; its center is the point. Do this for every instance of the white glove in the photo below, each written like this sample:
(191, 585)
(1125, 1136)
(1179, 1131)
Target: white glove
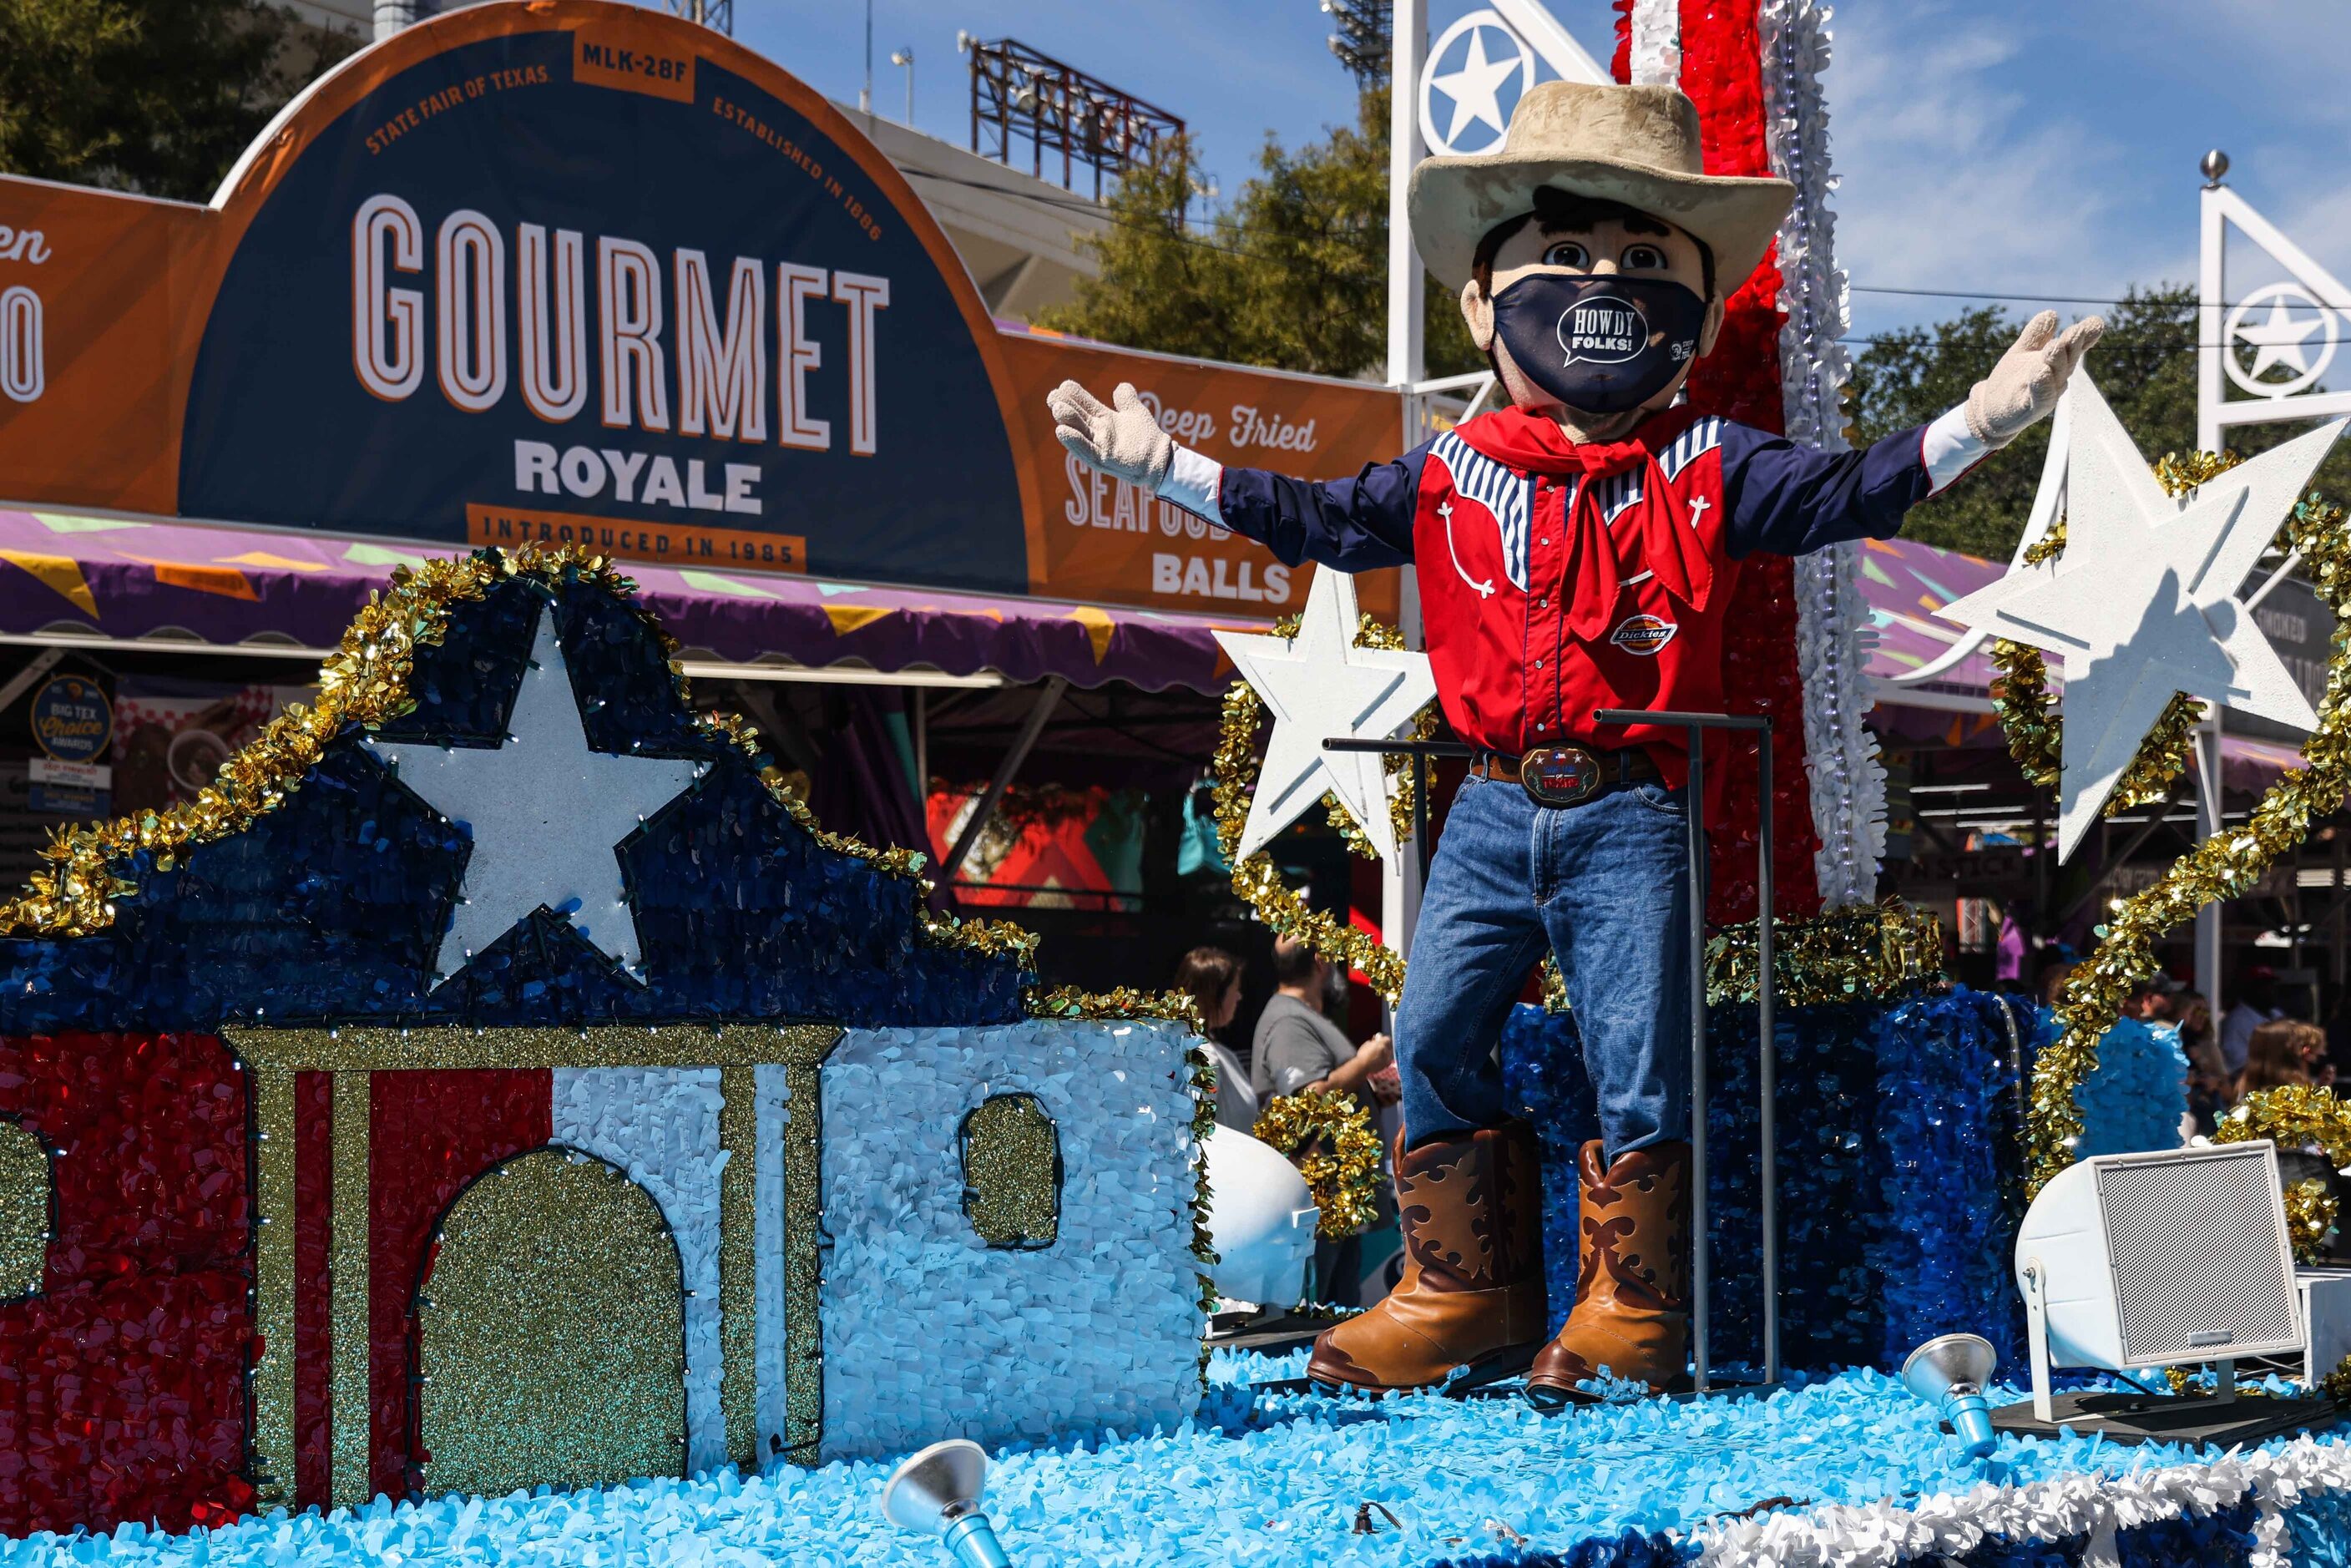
(2030, 377)
(1123, 439)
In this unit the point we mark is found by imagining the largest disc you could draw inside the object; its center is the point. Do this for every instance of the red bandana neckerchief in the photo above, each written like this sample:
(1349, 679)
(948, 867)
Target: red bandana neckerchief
(1651, 534)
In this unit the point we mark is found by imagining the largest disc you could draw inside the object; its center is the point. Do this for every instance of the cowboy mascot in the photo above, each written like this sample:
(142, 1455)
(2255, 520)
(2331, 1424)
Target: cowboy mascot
(1576, 551)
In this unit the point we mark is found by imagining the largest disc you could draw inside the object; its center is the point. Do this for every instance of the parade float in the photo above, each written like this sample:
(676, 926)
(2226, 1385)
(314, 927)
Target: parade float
(496, 1120)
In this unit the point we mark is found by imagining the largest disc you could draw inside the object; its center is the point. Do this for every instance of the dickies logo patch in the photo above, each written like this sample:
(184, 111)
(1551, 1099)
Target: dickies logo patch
(1643, 633)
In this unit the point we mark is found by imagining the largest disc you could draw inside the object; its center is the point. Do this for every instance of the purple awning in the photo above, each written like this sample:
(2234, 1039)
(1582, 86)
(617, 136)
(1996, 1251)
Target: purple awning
(119, 579)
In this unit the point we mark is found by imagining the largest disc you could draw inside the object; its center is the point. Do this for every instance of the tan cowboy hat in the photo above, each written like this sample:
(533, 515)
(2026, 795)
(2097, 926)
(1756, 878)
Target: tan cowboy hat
(1638, 145)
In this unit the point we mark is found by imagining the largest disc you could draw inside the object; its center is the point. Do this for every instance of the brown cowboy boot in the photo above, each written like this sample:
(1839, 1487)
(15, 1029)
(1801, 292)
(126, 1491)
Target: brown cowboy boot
(1472, 1291)
(1632, 1293)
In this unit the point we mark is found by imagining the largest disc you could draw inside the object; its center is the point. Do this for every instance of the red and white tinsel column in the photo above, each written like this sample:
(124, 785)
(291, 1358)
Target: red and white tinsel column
(1799, 643)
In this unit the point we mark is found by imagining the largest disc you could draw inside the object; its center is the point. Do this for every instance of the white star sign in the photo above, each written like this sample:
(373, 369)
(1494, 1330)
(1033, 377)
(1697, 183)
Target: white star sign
(2144, 603)
(2279, 339)
(1475, 87)
(1320, 687)
(547, 816)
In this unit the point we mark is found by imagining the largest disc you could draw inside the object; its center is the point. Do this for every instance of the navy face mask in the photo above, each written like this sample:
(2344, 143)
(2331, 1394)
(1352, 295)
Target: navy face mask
(1600, 345)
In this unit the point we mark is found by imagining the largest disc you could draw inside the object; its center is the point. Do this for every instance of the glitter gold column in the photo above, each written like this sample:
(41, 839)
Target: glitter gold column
(27, 1198)
(272, 1283)
(347, 1269)
(738, 1293)
(803, 1260)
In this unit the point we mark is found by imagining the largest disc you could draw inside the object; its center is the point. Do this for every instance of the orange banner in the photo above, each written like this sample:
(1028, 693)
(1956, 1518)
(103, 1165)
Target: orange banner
(1097, 538)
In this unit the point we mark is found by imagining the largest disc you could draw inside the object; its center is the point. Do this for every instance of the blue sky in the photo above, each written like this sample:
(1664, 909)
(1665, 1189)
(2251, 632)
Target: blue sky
(2035, 146)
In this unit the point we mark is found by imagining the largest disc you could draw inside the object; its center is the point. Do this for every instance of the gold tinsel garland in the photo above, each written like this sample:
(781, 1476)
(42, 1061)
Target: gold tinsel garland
(1234, 769)
(2020, 696)
(1869, 951)
(365, 682)
(2221, 867)
(1124, 1002)
(2295, 1116)
(1341, 1157)
(1864, 951)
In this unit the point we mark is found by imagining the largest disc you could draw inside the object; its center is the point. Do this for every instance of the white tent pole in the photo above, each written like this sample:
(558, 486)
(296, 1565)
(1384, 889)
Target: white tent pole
(1407, 357)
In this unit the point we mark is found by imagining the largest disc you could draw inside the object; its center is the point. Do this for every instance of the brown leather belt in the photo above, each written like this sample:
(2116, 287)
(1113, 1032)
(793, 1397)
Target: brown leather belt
(1568, 775)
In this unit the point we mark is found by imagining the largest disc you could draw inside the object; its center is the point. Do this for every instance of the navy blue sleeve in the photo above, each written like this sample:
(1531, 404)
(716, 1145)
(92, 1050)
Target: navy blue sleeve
(1787, 498)
(1355, 524)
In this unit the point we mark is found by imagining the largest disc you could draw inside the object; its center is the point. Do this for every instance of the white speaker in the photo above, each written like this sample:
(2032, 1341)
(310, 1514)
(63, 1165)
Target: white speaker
(2156, 1259)
(1261, 1220)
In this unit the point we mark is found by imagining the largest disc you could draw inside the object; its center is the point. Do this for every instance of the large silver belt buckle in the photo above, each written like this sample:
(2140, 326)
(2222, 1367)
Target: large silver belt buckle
(1560, 775)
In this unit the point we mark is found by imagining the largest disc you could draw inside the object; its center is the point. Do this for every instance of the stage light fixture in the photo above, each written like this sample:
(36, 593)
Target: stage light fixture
(937, 1492)
(1949, 1373)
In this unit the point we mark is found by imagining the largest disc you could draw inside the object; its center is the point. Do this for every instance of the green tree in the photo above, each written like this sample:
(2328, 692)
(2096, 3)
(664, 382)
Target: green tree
(153, 96)
(1292, 275)
(2144, 366)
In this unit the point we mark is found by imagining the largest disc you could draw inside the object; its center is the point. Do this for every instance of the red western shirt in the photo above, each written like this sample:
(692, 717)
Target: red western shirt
(1525, 643)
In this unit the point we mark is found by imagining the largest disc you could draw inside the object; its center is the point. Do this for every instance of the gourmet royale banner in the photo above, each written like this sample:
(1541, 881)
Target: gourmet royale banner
(571, 271)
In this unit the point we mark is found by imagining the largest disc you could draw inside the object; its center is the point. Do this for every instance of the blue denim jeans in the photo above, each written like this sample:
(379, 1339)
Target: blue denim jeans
(1603, 886)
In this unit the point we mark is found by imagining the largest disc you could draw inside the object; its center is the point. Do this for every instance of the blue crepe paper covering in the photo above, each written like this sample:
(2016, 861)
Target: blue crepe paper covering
(2318, 1533)
(1898, 1179)
(1276, 1485)
(331, 908)
(2136, 1098)
(2223, 1536)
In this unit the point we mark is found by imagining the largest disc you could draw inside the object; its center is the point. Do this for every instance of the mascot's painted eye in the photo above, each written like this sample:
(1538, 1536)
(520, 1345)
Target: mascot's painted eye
(1644, 258)
(1568, 253)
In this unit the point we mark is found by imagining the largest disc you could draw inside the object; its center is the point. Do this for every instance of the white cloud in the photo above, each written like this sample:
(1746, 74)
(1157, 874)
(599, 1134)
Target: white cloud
(1958, 173)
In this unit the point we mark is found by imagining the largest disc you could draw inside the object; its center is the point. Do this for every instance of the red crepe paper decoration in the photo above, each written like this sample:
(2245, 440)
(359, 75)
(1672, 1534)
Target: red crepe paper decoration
(1722, 70)
(122, 1382)
(430, 1132)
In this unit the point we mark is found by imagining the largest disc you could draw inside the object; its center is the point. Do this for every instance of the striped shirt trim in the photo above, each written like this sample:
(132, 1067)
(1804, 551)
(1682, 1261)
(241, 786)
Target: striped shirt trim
(1508, 497)
(1690, 445)
(1619, 491)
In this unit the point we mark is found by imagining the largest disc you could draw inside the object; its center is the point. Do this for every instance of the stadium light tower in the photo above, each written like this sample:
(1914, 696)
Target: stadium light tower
(1364, 39)
(718, 14)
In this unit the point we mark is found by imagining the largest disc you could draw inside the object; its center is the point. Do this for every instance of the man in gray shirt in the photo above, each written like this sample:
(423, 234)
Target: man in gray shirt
(1295, 1047)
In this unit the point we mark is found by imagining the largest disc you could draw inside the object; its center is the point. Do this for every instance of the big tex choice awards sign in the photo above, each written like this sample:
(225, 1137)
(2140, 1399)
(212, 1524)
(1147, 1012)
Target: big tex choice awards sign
(577, 271)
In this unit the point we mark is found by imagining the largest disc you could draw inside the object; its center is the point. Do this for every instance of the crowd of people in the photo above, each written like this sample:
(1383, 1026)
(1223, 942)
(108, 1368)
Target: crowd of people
(2255, 1046)
(1294, 1049)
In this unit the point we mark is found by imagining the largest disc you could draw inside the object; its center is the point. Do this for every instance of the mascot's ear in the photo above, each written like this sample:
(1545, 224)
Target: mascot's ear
(1712, 329)
(1479, 312)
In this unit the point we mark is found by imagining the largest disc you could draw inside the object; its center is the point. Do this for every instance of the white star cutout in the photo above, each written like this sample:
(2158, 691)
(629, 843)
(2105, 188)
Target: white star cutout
(547, 816)
(1321, 686)
(2279, 339)
(1473, 89)
(2143, 601)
